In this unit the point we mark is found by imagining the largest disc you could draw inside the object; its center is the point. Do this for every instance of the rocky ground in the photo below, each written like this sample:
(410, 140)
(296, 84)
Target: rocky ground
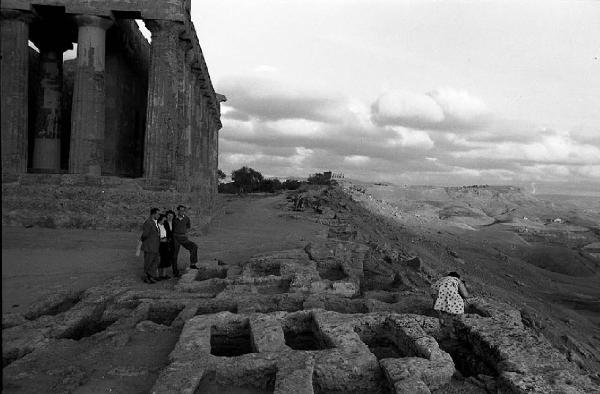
(509, 246)
(330, 299)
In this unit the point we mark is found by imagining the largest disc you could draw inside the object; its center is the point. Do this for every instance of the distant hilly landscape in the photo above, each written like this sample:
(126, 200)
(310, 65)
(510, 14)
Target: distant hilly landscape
(539, 253)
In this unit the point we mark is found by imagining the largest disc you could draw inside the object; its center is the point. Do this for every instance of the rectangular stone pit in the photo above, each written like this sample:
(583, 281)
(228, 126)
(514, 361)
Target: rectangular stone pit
(164, 313)
(384, 347)
(382, 341)
(81, 321)
(88, 328)
(302, 333)
(232, 340)
(331, 270)
(258, 379)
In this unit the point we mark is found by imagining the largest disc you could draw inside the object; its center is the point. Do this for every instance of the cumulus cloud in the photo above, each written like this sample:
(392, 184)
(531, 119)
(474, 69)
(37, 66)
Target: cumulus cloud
(230, 113)
(408, 109)
(442, 109)
(283, 130)
(591, 136)
(591, 171)
(552, 149)
(357, 160)
(461, 110)
(410, 138)
(264, 95)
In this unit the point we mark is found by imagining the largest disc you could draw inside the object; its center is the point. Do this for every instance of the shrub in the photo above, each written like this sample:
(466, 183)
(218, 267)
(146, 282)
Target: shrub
(270, 185)
(291, 184)
(320, 179)
(246, 179)
(229, 188)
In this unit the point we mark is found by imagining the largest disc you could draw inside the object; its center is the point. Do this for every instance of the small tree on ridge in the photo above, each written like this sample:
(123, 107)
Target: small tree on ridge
(246, 179)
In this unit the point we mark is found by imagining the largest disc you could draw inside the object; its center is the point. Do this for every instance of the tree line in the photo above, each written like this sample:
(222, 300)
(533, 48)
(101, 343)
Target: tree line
(248, 180)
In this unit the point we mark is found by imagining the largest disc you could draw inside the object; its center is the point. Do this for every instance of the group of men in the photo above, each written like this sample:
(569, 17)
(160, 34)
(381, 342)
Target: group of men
(163, 234)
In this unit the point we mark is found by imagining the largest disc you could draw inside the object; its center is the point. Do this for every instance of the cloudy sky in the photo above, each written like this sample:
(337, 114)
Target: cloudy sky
(410, 92)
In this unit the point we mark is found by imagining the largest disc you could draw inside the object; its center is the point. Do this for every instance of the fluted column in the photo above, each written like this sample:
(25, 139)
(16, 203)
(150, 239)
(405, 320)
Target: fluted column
(182, 113)
(162, 119)
(14, 88)
(89, 99)
(185, 104)
(48, 123)
(204, 149)
(196, 132)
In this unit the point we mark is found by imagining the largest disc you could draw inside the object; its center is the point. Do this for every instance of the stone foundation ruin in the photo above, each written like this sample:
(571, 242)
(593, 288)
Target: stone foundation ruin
(279, 324)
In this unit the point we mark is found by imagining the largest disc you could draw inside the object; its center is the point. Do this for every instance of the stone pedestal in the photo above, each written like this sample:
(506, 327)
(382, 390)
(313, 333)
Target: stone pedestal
(162, 119)
(48, 125)
(88, 114)
(14, 86)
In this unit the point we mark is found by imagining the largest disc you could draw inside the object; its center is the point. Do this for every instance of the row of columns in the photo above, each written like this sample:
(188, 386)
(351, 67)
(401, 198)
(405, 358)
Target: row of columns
(172, 88)
(88, 114)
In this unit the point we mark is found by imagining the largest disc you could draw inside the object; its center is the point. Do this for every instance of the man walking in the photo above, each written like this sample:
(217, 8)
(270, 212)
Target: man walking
(181, 225)
(150, 245)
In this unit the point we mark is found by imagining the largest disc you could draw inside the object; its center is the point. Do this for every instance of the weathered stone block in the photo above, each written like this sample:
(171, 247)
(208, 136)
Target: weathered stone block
(295, 374)
(411, 386)
(267, 334)
(179, 377)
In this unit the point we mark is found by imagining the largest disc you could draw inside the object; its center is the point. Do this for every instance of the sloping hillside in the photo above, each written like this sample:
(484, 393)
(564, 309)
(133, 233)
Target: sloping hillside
(532, 253)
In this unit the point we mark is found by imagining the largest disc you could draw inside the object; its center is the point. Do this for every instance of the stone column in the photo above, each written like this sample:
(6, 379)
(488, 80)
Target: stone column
(88, 114)
(204, 147)
(186, 103)
(196, 132)
(209, 144)
(162, 119)
(48, 123)
(203, 152)
(14, 87)
(182, 112)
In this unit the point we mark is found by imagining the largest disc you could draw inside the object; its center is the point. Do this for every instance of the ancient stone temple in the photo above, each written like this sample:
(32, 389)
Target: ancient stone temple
(123, 108)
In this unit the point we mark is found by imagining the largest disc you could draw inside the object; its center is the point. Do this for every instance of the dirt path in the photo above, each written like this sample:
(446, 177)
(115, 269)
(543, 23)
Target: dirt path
(37, 261)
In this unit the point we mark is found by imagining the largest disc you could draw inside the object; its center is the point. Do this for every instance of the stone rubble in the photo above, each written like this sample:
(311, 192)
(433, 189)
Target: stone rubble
(300, 321)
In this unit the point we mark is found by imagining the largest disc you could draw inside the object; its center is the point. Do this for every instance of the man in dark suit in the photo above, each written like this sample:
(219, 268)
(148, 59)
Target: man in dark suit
(181, 225)
(150, 245)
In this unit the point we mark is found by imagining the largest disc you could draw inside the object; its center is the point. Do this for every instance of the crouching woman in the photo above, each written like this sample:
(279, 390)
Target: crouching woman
(450, 293)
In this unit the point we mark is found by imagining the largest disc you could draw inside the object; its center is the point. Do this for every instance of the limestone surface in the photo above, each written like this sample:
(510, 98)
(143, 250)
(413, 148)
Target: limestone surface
(339, 315)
